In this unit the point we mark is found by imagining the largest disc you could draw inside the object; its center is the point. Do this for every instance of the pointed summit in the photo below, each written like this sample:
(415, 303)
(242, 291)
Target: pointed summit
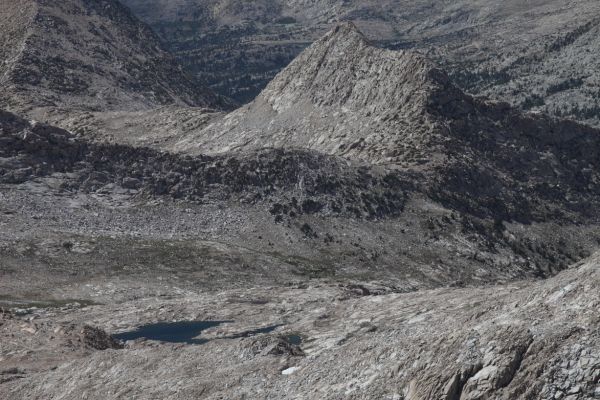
(344, 32)
(341, 96)
(343, 68)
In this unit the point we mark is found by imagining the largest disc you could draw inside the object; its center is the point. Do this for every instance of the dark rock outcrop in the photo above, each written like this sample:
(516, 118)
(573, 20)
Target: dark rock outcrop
(298, 182)
(98, 339)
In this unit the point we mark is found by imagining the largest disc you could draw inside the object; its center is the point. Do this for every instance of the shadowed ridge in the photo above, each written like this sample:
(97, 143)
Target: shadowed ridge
(102, 58)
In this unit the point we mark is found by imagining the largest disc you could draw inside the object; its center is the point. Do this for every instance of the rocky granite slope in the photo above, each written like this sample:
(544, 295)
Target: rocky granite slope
(305, 213)
(524, 53)
(527, 340)
(341, 96)
(87, 55)
(392, 144)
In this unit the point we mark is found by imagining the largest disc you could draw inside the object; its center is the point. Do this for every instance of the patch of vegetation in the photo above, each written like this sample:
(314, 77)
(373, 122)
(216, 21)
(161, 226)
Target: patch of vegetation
(286, 20)
(570, 37)
(532, 101)
(567, 84)
(308, 231)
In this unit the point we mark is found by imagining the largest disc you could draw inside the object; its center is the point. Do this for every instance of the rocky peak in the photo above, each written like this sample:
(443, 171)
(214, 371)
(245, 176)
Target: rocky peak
(345, 97)
(341, 96)
(346, 30)
(345, 69)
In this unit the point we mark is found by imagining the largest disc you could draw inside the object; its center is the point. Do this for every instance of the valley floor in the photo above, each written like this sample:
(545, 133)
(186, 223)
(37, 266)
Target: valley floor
(521, 340)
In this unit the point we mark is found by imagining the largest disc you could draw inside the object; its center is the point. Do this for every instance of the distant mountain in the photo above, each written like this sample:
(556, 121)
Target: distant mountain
(88, 55)
(558, 76)
(522, 52)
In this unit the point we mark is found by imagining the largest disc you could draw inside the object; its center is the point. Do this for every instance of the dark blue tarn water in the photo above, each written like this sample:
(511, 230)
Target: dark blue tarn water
(184, 332)
(173, 332)
(294, 339)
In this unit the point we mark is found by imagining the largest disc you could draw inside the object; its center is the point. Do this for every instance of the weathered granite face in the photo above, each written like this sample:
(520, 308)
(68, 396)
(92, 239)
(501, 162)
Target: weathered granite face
(88, 55)
(341, 96)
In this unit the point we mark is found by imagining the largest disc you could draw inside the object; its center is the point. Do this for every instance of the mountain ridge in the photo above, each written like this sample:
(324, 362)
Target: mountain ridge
(341, 74)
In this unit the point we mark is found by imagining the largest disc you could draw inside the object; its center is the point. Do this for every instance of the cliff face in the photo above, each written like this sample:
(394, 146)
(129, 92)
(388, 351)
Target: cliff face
(90, 55)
